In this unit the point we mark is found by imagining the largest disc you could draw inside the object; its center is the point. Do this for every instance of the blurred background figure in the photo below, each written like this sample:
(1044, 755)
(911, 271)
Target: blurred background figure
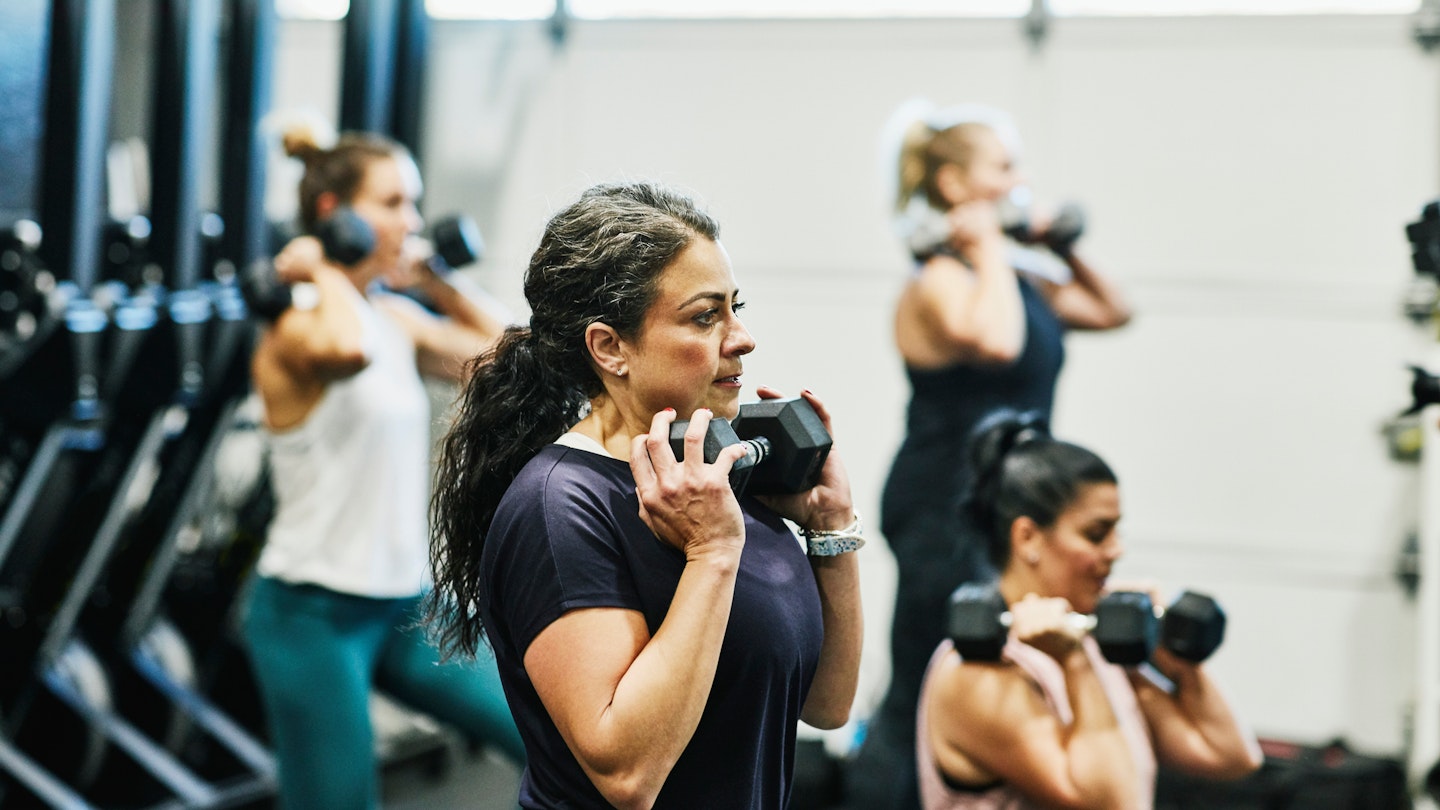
(975, 334)
(1039, 715)
(344, 567)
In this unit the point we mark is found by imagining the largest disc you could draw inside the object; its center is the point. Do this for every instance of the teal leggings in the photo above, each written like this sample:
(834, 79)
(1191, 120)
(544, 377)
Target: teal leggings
(316, 654)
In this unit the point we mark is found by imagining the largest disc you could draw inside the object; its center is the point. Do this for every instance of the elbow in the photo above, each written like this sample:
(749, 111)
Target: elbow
(351, 360)
(982, 348)
(340, 365)
(1244, 763)
(1076, 800)
(827, 718)
(629, 791)
(995, 352)
(341, 358)
(626, 782)
(998, 355)
(1120, 317)
(1223, 766)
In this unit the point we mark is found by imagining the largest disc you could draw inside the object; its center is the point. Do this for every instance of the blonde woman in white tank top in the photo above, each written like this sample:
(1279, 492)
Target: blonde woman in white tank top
(1052, 724)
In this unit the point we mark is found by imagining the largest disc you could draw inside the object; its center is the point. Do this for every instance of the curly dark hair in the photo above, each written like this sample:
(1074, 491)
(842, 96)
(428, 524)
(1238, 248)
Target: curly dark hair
(599, 261)
(1023, 471)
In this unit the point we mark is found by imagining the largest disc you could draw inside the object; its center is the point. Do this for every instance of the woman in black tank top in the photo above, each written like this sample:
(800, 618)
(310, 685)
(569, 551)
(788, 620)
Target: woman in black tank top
(975, 335)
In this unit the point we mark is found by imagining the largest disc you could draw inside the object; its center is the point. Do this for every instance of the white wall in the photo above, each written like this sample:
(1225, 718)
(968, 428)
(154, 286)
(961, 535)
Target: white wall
(1247, 181)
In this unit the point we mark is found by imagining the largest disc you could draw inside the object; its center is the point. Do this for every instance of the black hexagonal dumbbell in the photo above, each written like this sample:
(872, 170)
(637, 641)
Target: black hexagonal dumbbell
(979, 621)
(1193, 626)
(1129, 627)
(1126, 625)
(785, 442)
(347, 239)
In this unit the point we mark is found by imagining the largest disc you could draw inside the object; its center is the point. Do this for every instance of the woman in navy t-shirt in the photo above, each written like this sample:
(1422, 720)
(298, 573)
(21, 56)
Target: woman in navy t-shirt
(658, 638)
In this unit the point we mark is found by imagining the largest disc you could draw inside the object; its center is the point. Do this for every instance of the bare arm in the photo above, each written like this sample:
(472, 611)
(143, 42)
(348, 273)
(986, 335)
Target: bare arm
(991, 721)
(321, 338)
(1089, 300)
(470, 322)
(828, 506)
(310, 344)
(837, 676)
(968, 311)
(629, 710)
(1195, 729)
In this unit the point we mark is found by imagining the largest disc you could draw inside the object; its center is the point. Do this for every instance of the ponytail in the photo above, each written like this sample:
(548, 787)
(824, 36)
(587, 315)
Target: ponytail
(911, 163)
(1020, 470)
(513, 404)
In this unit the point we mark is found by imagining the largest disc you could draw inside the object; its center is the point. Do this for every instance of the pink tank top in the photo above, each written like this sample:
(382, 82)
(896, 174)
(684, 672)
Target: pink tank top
(937, 794)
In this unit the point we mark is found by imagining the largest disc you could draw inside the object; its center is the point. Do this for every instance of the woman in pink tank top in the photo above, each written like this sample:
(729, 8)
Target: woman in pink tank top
(1052, 723)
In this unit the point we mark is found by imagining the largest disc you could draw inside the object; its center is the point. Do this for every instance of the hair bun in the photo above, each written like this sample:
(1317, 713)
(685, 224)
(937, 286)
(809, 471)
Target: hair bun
(301, 141)
(1002, 431)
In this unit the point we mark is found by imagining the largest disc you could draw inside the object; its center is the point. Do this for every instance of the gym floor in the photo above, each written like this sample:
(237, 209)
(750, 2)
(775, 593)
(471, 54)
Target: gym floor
(431, 768)
(474, 781)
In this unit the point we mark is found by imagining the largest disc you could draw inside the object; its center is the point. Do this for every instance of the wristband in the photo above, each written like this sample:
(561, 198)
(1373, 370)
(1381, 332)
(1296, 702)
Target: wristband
(820, 543)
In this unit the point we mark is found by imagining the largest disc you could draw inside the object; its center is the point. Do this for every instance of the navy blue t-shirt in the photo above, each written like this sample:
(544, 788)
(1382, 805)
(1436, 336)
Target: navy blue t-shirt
(568, 535)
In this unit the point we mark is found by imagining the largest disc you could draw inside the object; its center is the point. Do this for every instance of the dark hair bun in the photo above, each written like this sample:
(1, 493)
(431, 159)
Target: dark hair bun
(1002, 431)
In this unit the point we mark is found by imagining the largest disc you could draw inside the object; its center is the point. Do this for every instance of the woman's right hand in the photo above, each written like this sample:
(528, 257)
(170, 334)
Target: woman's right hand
(299, 259)
(1046, 625)
(689, 503)
(975, 229)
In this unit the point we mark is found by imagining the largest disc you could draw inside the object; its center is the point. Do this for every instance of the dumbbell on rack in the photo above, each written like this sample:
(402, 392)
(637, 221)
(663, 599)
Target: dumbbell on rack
(785, 442)
(1126, 625)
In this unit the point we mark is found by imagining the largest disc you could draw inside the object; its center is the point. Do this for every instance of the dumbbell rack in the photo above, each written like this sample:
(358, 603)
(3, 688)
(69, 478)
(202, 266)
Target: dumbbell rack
(1425, 719)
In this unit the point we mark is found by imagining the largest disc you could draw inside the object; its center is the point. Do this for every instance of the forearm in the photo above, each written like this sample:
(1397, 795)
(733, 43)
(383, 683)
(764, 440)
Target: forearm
(990, 321)
(1235, 749)
(1102, 767)
(464, 304)
(335, 331)
(658, 702)
(1106, 295)
(837, 675)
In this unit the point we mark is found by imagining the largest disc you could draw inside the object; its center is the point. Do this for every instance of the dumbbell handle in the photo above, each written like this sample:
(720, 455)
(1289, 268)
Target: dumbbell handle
(1081, 622)
(757, 448)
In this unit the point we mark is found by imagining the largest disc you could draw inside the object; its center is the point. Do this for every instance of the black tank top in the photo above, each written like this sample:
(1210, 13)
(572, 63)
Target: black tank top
(929, 472)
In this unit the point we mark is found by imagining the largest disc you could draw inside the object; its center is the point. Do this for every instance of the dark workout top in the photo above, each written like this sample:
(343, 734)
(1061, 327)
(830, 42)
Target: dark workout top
(929, 471)
(568, 535)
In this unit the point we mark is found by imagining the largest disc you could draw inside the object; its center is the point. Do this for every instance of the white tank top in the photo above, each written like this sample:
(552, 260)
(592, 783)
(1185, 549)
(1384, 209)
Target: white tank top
(352, 480)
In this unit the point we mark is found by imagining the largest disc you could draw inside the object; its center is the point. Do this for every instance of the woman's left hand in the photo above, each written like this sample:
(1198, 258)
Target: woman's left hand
(413, 269)
(827, 506)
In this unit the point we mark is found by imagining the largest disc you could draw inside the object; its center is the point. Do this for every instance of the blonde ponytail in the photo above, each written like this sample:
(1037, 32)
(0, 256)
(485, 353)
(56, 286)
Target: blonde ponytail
(911, 164)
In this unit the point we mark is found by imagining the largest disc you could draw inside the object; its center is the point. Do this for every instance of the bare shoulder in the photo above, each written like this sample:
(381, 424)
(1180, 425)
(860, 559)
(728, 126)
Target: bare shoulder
(985, 690)
(940, 274)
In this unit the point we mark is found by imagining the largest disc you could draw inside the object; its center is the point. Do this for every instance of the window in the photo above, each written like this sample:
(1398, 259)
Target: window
(490, 9)
(822, 9)
(312, 9)
(609, 9)
(1147, 8)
